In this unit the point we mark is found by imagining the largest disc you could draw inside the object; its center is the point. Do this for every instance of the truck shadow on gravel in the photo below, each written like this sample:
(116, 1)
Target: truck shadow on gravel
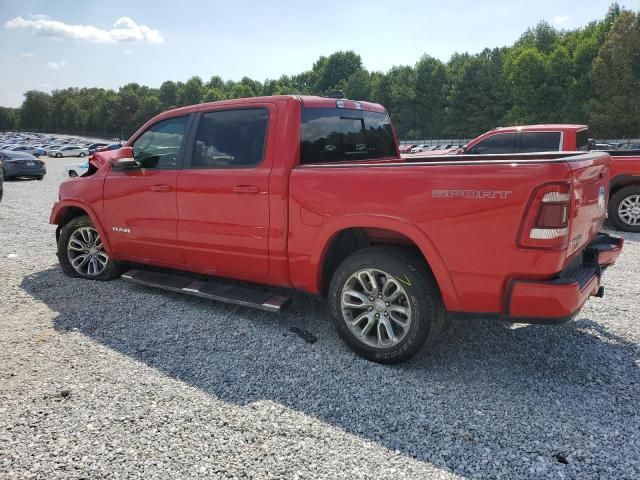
(514, 400)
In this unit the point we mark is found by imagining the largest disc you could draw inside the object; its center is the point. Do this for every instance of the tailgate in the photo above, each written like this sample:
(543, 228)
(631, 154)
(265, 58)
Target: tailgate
(590, 190)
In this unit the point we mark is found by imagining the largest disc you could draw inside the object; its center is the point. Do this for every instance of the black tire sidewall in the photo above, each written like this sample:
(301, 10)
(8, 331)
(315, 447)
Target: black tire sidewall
(423, 300)
(614, 203)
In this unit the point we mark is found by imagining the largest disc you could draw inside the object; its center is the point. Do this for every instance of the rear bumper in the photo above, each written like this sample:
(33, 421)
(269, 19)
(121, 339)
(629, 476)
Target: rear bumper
(559, 300)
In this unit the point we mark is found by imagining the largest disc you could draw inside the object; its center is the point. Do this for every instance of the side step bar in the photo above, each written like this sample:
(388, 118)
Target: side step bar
(248, 296)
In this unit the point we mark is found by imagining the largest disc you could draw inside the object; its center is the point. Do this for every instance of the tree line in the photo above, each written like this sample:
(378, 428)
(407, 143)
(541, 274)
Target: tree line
(586, 75)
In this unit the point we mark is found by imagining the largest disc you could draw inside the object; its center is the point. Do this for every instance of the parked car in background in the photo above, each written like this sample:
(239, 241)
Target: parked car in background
(601, 146)
(27, 149)
(20, 164)
(406, 148)
(93, 146)
(1, 179)
(69, 151)
(111, 146)
(421, 148)
(73, 170)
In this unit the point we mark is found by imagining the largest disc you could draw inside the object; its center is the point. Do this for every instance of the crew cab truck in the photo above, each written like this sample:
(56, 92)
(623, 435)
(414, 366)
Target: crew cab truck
(310, 193)
(624, 188)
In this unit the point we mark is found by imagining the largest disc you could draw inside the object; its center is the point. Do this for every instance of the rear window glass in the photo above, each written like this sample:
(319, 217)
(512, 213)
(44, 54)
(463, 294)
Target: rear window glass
(338, 135)
(499, 143)
(539, 142)
(582, 140)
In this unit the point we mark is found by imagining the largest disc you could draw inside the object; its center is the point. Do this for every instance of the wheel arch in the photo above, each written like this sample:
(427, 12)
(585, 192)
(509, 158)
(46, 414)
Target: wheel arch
(346, 236)
(621, 181)
(70, 210)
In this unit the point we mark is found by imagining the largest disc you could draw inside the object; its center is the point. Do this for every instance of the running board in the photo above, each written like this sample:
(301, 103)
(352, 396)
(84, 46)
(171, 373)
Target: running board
(248, 296)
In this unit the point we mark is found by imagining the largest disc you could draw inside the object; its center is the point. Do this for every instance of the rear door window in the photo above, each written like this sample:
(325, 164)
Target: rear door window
(340, 135)
(495, 144)
(531, 142)
(231, 138)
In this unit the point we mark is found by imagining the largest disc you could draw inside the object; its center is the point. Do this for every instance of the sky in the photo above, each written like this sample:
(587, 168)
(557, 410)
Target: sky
(47, 45)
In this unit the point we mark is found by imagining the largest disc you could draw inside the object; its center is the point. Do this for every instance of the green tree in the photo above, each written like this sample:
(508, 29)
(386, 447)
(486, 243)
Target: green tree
(191, 92)
(478, 97)
(168, 94)
(334, 70)
(526, 73)
(8, 118)
(431, 88)
(35, 110)
(616, 76)
(358, 86)
(213, 95)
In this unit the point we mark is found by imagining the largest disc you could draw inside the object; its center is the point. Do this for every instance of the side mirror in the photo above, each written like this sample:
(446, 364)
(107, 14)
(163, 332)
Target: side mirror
(122, 159)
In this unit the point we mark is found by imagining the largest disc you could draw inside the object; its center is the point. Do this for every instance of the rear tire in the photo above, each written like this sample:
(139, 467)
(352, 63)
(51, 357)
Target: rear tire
(624, 209)
(39, 177)
(414, 317)
(82, 154)
(81, 254)
(72, 174)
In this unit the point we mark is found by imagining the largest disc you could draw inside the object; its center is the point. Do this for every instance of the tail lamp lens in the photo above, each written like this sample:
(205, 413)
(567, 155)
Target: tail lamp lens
(547, 222)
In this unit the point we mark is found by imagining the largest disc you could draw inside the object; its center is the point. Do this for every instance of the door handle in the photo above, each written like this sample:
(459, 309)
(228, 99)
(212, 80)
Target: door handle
(161, 188)
(246, 189)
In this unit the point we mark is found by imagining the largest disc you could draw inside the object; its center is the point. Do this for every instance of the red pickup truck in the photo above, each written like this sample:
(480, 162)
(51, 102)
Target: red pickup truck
(311, 193)
(624, 189)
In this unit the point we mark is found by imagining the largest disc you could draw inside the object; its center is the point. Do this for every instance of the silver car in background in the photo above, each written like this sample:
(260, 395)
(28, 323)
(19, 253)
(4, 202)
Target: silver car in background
(68, 151)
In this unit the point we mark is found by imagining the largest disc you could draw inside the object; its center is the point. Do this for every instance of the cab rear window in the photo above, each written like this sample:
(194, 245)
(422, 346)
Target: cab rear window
(531, 142)
(342, 135)
(582, 140)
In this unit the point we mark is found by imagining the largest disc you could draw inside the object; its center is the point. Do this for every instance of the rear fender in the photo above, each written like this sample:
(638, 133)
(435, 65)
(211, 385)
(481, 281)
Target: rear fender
(418, 237)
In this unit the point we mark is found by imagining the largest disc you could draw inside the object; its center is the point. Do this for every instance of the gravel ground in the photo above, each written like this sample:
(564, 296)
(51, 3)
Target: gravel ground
(114, 380)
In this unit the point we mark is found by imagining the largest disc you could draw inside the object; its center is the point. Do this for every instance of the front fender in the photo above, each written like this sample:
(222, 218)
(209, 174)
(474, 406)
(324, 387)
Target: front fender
(62, 206)
(332, 227)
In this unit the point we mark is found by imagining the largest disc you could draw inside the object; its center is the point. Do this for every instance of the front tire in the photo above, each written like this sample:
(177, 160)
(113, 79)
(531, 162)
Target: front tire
(624, 209)
(72, 174)
(81, 253)
(385, 304)
(58, 155)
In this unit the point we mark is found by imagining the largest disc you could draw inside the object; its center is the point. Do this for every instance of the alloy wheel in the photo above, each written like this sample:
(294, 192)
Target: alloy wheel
(376, 308)
(629, 210)
(86, 252)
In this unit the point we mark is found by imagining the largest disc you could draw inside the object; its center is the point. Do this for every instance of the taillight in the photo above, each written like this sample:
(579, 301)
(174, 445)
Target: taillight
(546, 223)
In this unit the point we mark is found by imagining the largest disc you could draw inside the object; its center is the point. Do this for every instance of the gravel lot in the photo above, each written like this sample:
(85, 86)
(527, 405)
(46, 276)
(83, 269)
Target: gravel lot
(114, 380)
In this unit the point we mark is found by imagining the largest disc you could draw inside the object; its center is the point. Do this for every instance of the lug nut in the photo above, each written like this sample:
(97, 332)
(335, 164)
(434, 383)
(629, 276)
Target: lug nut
(379, 295)
(370, 308)
(377, 315)
(388, 304)
(386, 314)
(371, 298)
